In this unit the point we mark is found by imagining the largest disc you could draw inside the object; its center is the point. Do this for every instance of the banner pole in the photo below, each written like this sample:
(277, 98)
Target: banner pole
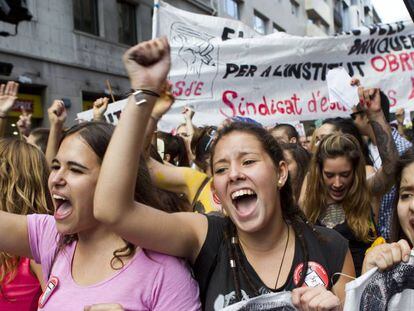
(155, 19)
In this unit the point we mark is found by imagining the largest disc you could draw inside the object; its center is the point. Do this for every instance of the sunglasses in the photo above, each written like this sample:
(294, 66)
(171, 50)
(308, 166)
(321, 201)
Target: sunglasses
(354, 114)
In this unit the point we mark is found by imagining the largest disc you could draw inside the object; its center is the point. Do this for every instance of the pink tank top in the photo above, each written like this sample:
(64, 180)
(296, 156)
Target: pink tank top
(23, 292)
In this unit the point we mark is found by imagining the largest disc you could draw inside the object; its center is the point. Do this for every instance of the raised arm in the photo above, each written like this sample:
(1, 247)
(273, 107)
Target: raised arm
(383, 179)
(8, 95)
(57, 117)
(179, 234)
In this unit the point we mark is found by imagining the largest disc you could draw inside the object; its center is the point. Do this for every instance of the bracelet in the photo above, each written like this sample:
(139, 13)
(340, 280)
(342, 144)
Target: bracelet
(139, 96)
(146, 92)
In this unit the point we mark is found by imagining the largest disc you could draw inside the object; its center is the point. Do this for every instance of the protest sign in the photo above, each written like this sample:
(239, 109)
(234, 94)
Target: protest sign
(225, 69)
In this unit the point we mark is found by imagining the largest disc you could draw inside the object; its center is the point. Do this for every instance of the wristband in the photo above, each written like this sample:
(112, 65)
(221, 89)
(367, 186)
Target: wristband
(139, 96)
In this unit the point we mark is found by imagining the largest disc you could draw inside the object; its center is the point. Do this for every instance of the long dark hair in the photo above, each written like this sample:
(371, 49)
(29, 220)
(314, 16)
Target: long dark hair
(97, 135)
(290, 211)
(396, 231)
(302, 158)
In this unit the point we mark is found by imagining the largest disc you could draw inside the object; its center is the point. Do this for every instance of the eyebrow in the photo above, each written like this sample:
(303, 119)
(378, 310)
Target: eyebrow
(72, 163)
(240, 155)
(408, 188)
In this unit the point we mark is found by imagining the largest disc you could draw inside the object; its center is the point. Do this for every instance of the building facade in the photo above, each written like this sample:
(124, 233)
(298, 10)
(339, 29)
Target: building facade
(72, 49)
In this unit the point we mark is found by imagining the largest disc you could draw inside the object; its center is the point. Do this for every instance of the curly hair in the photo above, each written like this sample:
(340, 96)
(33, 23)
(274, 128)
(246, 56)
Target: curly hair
(357, 202)
(23, 182)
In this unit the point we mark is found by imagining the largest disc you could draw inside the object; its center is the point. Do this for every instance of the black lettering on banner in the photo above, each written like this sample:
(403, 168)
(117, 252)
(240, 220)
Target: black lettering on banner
(228, 31)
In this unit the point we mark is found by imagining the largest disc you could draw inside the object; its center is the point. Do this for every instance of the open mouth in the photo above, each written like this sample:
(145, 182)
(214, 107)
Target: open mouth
(244, 200)
(338, 193)
(63, 207)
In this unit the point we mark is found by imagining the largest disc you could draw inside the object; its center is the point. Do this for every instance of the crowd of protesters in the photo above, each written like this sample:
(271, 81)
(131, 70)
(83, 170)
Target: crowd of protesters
(97, 217)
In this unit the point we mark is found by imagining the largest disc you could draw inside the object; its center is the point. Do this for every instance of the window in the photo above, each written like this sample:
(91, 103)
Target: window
(127, 24)
(232, 8)
(259, 24)
(277, 28)
(85, 14)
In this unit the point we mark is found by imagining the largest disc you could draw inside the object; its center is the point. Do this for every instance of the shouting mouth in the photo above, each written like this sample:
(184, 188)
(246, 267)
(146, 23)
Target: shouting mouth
(63, 207)
(245, 201)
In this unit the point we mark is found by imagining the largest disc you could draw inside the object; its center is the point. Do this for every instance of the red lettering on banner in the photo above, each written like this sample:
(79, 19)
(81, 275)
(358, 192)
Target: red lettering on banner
(188, 89)
(266, 107)
(392, 62)
(393, 100)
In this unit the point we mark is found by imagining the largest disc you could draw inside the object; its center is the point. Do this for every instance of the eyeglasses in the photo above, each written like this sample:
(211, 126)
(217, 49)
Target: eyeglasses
(354, 114)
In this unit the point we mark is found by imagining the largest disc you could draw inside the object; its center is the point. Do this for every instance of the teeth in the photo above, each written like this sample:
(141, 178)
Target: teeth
(58, 197)
(240, 193)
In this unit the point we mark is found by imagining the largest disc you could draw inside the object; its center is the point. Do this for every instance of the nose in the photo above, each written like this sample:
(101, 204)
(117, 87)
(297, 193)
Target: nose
(337, 182)
(235, 173)
(57, 178)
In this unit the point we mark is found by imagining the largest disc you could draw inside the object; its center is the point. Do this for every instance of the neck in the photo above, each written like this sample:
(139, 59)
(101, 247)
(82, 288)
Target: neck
(267, 240)
(99, 237)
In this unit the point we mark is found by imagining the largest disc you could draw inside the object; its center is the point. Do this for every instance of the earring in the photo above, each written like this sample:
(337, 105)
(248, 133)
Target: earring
(279, 184)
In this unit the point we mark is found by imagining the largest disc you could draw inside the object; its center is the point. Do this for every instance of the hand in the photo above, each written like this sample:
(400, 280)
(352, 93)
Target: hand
(8, 95)
(148, 64)
(315, 298)
(99, 108)
(188, 112)
(104, 307)
(399, 115)
(164, 102)
(370, 100)
(57, 113)
(24, 124)
(385, 256)
(355, 82)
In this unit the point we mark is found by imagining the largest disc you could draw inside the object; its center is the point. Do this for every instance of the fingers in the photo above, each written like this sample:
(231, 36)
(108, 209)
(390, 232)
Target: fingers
(101, 102)
(405, 250)
(11, 88)
(149, 52)
(355, 82)
(314, 298)
(385, 256)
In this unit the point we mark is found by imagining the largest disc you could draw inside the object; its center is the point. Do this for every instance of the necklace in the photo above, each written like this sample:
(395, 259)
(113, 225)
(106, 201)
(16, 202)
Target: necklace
(283, 257)
(235, 241)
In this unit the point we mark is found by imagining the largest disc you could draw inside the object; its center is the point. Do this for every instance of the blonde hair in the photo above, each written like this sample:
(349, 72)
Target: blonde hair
(23, 183)
(357, 203)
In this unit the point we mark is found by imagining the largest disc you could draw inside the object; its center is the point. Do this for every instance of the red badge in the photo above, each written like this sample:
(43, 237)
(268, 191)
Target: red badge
(50, 289)
(315, 276)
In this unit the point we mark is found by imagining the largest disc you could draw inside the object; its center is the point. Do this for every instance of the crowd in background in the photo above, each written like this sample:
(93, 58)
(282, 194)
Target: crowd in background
(95, 217)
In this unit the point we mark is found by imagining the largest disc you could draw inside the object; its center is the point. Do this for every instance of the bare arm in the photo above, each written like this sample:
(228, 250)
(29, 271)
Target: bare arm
(8, 95)
(179, 234)
(14, 236)
(57, 117)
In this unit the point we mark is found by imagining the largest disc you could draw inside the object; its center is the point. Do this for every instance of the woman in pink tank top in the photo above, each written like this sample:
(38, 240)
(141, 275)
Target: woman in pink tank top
(23, 183)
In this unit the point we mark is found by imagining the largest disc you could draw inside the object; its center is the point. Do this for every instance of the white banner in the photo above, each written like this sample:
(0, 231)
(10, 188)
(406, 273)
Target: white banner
(277, 78)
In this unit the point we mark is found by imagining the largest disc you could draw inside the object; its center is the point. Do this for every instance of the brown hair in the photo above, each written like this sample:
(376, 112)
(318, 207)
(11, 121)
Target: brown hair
(97, 135)
(356, 204)
(23, 182)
